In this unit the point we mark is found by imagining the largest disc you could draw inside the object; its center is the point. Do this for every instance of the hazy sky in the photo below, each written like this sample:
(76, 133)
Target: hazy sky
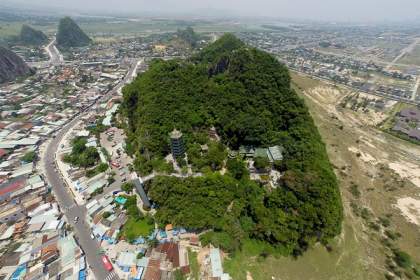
(346, 10)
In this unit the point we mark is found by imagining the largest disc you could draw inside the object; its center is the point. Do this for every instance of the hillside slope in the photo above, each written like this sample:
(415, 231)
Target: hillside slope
(11, 66)
(246, 95)
(30, 36)
(71, 35)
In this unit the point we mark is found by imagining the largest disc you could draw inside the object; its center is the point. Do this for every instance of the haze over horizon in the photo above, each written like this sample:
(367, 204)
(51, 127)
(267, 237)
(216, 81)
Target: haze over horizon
(331, 10)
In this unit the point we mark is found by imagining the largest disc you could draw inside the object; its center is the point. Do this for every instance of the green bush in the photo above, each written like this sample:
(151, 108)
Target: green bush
(81, 155)
(29, 156)
(261, 163)
(237, 168)
(219, 239)
(354, 189)
(127, 187)
(106, 214)
(402, 259)
(392, 235)
(385, 221)
(102, 167)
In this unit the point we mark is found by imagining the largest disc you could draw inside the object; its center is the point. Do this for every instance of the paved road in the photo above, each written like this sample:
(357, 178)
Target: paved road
(415, 89)
(71, 209)
(56, 58)
(403, 53)
(65, 199)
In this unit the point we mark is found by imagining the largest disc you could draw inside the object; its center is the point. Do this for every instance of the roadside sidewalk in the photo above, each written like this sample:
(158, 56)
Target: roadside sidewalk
(63, 168)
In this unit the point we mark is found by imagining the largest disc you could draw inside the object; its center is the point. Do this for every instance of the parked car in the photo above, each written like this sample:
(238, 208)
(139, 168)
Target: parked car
(107, 263)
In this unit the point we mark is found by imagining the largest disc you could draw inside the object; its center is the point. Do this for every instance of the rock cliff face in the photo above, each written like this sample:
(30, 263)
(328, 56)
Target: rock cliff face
(70, 35)
(11, 66)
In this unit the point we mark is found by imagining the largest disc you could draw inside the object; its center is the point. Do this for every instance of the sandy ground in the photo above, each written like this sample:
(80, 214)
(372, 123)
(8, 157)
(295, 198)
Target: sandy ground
(374, 147)
(363, 155)
(407, 171)
(201, 256)
(410, 207)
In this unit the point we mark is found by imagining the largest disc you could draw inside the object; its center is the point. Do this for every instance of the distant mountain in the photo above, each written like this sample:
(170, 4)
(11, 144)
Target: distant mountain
(12, 66)
(30, 36)
(70, 35)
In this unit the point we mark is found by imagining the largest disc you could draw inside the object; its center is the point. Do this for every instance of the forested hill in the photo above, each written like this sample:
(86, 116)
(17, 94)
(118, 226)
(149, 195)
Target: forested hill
(69, 34)
(246, 95)
(30, 36)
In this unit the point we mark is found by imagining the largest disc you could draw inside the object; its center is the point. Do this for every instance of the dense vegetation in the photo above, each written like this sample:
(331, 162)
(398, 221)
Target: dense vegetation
(100, 168)
(30, 36)
(137, 225)
(81, 155)
(245, 94)
(189, 36)
(70, 35)
(29, 156)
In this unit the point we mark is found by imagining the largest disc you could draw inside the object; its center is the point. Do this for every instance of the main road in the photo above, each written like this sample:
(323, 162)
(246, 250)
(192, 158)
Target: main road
(56, 58)
(64, 197)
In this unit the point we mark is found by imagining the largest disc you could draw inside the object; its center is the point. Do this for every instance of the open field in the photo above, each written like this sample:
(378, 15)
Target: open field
(123, 27)
(134, 228)
(411, 58)
(8, 29)
(380, 185)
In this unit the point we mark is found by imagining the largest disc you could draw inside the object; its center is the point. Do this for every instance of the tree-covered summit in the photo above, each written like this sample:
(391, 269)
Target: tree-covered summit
(222, 47)
(69, 34)
(245, 94)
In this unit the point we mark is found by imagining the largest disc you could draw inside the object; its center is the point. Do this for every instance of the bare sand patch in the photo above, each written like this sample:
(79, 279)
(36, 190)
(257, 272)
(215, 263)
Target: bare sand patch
(410, 208)
(407, 171)
(249, 276)
(367, 142)
(390, 103)
(368, 158)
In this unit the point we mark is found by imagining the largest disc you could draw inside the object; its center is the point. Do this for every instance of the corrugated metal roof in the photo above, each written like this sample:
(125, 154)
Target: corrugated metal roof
(126, 259)
(216, 263)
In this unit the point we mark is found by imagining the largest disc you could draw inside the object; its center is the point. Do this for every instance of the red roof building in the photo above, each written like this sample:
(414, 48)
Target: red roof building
(12, 186)
(172, 252)
(153, 270)
(3, 152)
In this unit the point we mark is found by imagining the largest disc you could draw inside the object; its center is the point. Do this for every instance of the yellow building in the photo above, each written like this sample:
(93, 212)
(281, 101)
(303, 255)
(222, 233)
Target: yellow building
(159, 48)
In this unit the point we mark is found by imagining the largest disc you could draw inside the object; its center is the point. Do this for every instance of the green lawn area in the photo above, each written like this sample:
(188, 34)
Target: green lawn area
(134, 228)
(195, 269)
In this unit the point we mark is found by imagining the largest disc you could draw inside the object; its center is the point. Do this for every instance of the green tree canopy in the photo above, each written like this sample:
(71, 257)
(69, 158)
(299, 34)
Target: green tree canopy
(246, 95)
